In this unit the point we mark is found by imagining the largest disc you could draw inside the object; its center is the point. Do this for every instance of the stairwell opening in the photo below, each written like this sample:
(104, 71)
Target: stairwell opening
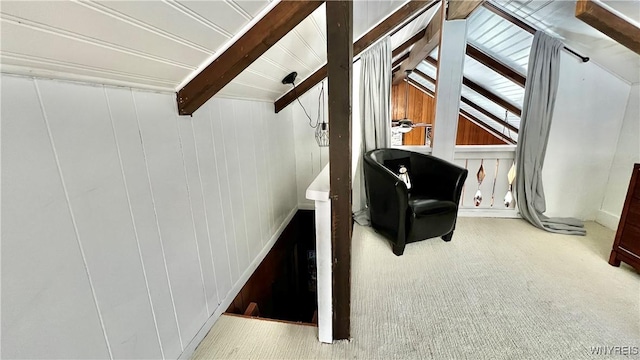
(283, 287)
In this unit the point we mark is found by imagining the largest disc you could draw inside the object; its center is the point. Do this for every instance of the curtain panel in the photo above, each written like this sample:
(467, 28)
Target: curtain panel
(537, 112)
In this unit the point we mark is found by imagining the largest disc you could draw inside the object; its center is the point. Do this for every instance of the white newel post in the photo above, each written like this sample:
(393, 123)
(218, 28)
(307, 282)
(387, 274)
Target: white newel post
(319, 192)
(451, 57)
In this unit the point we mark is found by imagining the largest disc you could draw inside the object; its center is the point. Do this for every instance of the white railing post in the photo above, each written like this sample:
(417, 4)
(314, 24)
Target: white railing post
(448, 87)
(319, 192)
(496, 161)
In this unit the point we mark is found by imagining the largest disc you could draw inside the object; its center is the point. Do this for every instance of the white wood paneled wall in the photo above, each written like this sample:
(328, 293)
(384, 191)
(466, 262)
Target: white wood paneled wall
(627, 154)
(127, 228)
(310, 158)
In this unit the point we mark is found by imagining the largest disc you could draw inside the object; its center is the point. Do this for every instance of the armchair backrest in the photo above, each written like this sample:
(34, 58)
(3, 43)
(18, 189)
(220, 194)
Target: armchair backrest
(430, 176)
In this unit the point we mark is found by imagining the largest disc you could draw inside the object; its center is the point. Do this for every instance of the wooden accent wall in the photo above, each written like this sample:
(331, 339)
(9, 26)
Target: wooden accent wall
(422, 109)
(471, 134)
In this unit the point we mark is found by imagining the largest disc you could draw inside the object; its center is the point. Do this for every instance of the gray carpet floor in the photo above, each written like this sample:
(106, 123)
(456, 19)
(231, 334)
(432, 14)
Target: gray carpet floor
(500, 290)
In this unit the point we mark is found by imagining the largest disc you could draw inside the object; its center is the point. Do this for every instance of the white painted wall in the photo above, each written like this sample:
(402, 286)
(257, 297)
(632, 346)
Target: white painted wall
(310, 158)
(589, 110)
(127, 230)
(627, 153)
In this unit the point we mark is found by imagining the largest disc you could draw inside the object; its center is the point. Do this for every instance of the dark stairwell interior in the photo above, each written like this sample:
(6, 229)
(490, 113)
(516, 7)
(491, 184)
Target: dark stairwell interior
(283, 287)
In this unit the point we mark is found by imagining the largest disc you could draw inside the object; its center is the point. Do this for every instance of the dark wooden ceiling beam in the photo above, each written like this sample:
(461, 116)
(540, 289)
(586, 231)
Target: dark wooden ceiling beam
(496, 65)
(461, 9)
(488, 114)
(491, 96)
(404, 46)
(497, 99)
(399, 18)
(248, 48)
(422, 48)
(510, 18)
(399, 60)
(523, 25)
(425, 76)
(433, 62)
(609, 23)
(407, 44)
(490, 62)
(422, 87)
(473, 105)
(487, 127)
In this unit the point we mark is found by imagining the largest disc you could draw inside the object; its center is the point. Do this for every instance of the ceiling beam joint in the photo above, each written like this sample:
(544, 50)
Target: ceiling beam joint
(461, 9)
(422, 48)
(609, 23)
(278, 22)
(400, 18)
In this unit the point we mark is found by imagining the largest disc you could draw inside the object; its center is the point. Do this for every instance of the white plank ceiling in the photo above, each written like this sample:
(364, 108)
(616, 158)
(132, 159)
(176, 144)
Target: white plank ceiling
(160, 45)
(511, 44)
(558, 18)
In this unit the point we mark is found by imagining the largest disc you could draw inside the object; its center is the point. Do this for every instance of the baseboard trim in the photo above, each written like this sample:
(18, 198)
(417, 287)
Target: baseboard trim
(489, 213)
(607, 219)
(307, 206)
(204, 330)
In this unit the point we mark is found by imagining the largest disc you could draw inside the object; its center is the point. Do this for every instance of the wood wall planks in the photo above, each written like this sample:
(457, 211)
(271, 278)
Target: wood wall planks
(421, 109)
(134, 167)
(132, 219)
(35, 208)
(472, 134)
(90, 167)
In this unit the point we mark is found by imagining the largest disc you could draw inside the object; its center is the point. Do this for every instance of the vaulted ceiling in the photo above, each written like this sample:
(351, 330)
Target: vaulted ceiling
(162, 44)
(155, 44)
(558, 18)
(503, 40)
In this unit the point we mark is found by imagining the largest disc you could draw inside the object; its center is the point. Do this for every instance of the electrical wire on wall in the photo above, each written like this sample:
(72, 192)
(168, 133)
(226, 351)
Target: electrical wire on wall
(321, 126)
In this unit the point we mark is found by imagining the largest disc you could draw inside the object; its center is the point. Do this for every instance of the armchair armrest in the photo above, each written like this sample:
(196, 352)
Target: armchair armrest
(387, 199)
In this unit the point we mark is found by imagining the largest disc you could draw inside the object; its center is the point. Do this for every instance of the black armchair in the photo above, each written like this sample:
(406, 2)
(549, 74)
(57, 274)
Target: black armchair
(429, 209)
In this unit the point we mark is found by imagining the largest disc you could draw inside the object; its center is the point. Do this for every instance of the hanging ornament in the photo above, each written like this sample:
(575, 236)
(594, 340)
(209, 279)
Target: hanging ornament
(477, 199)
(508, 198)
(495, 178)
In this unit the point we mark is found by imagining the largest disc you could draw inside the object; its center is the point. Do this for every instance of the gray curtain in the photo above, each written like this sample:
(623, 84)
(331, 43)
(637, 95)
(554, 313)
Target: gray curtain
(375, 108)
(539, 101)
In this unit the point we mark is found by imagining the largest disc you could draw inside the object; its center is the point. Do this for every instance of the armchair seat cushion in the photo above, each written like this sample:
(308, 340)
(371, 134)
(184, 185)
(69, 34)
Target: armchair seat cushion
(427, 207)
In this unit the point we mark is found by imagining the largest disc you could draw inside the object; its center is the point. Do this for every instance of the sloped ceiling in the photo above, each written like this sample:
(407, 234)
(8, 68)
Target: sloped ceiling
(154, 44)
(161, 44)
(558, 18)
(511, 44)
